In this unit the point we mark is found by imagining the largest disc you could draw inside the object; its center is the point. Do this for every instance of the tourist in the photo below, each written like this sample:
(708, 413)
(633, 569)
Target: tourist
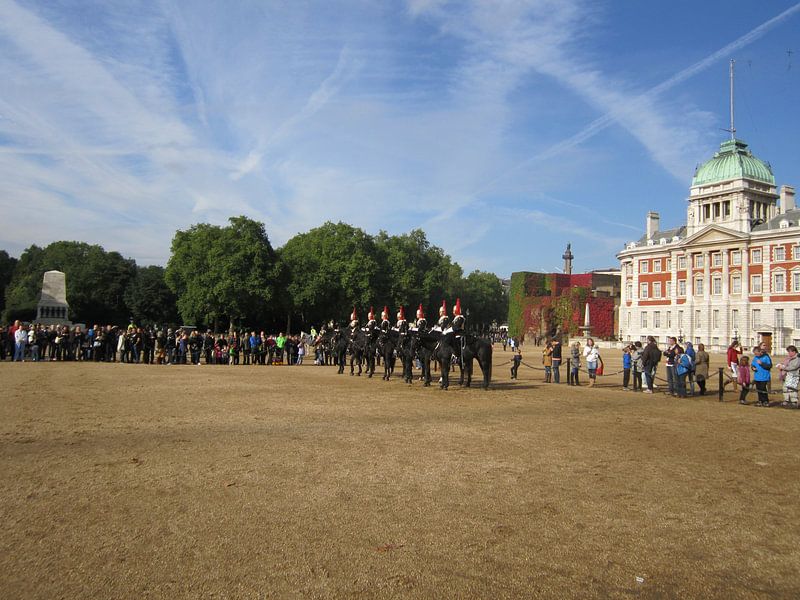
(301, 349)
(761, 366)
(555, 345)
(638, 366)
(516, 360)
(20, 342)
(574, 363)
(683, 366)
(732, 359)
(280, 344)
(701, 366)
(789, 373)
(690, 352)
(743, 377)
(547, 361)
(651, 356)
(592, 356)
(670, 354)
(627, 362)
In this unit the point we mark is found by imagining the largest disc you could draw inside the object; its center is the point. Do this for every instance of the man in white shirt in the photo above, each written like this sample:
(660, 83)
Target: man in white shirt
(20, 341)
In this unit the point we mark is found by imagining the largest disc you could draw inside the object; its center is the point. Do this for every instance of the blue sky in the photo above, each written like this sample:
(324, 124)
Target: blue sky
(504, 129)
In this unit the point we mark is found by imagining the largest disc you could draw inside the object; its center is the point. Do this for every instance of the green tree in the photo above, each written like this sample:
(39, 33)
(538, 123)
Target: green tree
(223, 273)
(7, 264)
(149, 299)
(485, 298)
(96, 281)
(330, 269)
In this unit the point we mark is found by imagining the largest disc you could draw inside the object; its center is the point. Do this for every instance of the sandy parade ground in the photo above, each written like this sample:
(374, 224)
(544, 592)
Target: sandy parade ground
(133, 481)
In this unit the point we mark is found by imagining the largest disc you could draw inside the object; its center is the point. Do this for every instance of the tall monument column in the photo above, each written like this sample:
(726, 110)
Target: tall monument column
(567, 256)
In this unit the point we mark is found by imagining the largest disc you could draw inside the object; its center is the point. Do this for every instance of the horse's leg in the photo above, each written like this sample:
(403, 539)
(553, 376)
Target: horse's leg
(445, 374)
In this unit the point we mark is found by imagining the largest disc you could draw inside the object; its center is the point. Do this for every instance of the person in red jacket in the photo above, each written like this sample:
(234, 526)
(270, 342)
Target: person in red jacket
(734, 354)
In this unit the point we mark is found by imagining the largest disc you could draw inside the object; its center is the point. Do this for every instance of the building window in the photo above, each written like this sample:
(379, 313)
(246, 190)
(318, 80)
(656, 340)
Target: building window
(629, 319)
(736, 257)
(656, 289)
(680, 319)
(629, 269)
(795, 252)
(642, 266)
(756, 321)
(681, 262)
(698, 286)
(736, 284)
(735, 318)
(780, 253)
(716, 286)
(755, 284)
(681, 288)
(796, 282)
(644, 320)
(797, 318)
(698, 261)
(669, 319)
(715, 319)
(657, 319)
(669, 264)
(779, 283)
(779, 318)
(629, 291)
(697, 319)
(668, 289)
(755, 255)
(716, 259)
(643, 290)
(657, 266)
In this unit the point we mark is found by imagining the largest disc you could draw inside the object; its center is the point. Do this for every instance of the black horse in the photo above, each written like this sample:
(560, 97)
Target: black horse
(439, 347)
(358, 344)
(339, 343)
(467, 348)
(387, 344)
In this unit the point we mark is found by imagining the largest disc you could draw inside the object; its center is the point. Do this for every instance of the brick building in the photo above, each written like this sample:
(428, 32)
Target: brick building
(732, 271)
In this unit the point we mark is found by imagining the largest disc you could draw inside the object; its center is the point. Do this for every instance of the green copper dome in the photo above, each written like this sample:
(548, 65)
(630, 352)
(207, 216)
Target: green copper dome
(733, 161)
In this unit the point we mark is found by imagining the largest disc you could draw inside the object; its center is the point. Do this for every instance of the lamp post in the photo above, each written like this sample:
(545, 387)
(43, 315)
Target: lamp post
(680, 335)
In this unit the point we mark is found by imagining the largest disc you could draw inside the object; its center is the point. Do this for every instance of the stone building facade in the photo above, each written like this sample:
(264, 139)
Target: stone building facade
(732, 271)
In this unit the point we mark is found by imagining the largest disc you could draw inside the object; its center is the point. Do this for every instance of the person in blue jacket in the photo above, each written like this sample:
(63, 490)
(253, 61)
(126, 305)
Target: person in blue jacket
(761, 365)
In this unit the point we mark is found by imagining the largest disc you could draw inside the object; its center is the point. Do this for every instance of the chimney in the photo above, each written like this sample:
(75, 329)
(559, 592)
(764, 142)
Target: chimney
(787, 198)
(652, 224)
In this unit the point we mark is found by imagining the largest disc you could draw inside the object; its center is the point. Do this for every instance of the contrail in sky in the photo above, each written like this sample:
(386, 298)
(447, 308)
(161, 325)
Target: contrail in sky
(608, 119)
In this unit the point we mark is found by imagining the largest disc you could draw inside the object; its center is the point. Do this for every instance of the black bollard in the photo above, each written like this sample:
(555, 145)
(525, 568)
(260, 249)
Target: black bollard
(721, 383)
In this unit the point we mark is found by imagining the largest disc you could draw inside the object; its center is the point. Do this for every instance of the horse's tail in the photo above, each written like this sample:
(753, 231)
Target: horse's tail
(491, 350)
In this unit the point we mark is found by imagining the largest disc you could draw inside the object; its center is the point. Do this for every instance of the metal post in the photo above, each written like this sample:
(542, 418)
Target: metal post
(721, 383)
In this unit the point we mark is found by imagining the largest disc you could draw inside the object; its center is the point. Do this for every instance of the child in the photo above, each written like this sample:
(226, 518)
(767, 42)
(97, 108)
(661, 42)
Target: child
(626, 368)
(743, 378)
(575, 363)
(547, 361)
(638, 366)
(517, 359)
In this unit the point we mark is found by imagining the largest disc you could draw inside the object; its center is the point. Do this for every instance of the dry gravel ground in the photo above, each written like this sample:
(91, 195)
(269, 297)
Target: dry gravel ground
(128, 481)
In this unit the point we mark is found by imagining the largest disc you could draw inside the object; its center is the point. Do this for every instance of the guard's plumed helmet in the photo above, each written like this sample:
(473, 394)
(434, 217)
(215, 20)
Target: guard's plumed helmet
(443, 309)
(420, 312)
(354, 316)
(401, 314)
(385, 313)
(371, 314)
(457, 308)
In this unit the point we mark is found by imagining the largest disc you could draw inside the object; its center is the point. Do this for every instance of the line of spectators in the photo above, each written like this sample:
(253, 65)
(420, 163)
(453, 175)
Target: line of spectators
(35, 342)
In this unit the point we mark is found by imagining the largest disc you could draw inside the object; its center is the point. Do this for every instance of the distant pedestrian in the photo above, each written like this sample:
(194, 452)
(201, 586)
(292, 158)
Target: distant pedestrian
(683, 366)
(547, 362)
(743, 378)
(627, 363)
(701, 366)
(516, 360)
(733, 355)
(789, 373)
(555, 345)
(574, 364)
(761, 367)
(592, 356)
(651, 356)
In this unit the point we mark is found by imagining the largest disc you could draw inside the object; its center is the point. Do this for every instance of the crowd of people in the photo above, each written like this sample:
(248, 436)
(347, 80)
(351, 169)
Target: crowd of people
(148, 345)
(686, 369)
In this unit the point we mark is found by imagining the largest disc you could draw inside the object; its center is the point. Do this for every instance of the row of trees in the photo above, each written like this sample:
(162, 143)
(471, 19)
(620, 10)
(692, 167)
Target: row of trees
(222, 275)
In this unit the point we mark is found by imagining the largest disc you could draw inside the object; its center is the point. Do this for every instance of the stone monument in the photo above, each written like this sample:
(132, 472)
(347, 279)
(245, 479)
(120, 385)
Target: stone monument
(53, 308)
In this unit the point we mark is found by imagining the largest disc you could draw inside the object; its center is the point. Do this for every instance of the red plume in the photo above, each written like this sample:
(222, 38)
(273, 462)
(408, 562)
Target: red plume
(371, 315)
(443, 309)
(401, 314)
(420, 312)
(354, 316)
(457, 308)
(385, 313)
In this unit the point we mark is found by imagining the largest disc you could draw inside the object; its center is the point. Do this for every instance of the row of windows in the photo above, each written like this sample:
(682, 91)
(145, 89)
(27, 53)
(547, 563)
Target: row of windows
(780, 279)
(756, 257)
(664, 319)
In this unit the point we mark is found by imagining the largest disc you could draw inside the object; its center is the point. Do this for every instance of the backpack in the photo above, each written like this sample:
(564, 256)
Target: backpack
(685, 364)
